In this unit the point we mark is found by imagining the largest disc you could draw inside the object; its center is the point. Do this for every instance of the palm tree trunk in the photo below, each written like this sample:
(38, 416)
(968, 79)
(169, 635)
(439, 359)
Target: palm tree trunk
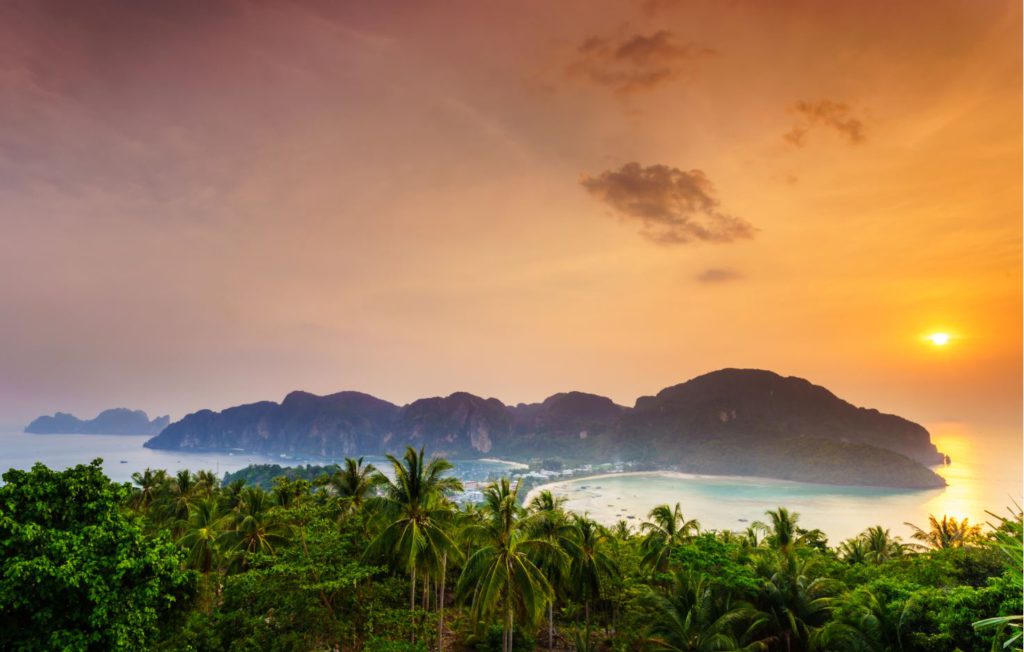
(412, 602)
(551, 624)
(426, 592)
(440, 604)
(511, 630)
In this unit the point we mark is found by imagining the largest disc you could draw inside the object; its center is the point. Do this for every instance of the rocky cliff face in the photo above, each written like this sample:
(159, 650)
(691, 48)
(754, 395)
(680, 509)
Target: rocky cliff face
(460, 424)
(117, 421)
(733, 420)
(343, 424)
(738, 404)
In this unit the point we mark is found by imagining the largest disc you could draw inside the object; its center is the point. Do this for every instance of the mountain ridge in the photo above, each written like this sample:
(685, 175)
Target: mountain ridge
(725, 421)
(114, 421)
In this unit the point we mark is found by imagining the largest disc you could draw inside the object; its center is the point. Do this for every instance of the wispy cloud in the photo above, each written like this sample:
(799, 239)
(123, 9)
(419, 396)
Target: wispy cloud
(825, 113)
(718, 275)
(673, 206)
(636, 63)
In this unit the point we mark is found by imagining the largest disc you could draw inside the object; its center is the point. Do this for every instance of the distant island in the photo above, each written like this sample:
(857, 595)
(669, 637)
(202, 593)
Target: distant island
(728, 422)
(117, 421)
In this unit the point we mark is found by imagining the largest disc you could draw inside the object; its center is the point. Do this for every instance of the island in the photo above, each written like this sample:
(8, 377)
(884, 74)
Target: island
(730, 422)
(116, 421)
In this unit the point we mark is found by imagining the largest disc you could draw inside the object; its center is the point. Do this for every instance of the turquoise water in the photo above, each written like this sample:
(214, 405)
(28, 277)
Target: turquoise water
(984, 475)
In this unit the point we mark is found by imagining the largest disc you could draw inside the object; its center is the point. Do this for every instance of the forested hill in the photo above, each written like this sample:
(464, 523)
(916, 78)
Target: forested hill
(741, 421)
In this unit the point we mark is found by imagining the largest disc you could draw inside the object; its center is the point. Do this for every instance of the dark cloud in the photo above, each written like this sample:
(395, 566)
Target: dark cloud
(673, 206)
(718, 275)
(639, 62)
(826, 113)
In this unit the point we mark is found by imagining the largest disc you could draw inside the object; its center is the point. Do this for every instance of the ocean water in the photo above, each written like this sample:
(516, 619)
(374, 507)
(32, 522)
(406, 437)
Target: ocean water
(985, 475)
(123, 455)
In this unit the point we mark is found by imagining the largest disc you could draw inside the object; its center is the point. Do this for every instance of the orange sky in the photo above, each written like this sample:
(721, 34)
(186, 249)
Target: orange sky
(207, 203)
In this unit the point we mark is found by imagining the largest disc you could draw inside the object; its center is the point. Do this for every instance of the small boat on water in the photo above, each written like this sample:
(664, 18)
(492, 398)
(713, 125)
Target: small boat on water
(124, 461)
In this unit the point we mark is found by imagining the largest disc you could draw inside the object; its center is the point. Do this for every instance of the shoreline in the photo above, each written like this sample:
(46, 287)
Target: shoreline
(745, 479)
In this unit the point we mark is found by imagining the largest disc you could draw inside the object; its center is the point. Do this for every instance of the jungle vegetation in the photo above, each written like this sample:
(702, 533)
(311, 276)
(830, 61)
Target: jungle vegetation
(359, 560)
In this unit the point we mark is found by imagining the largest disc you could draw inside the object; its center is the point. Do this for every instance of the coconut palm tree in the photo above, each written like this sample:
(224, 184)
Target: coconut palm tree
(854, 551)
(255, 527)
(354, 482)
(175, 498)
(881, 545)
(415, 514)
(666, 528)
(796, 601)
(201, 533)
(547, 520)
(148, 484)
(782, 530)
(500, 578)
(689, 618)
(288, 492)
(1008, 538)
(947, 533)
(206, 482)
(622, 530)
(590, 564)
(231, 495)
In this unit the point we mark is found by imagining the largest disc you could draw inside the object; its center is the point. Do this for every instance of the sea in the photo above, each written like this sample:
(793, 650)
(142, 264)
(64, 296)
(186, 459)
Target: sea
(985, 475)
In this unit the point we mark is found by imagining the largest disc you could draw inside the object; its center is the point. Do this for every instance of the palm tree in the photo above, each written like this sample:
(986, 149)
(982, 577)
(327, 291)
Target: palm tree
(206, 482)
(666, 529)
(176, 496)
(288, 492)
(202, 531)
(231, 495)
(548, 521)
(947, 533)
(149, 483)
(415, 513)
(690, 618)
(622, 530)
(255, 527)
(797, 602)
(854, 551)
(882, 546)
(782, 529)
(590, 564)
(500, 577)
(1008, 538)
(355, 481)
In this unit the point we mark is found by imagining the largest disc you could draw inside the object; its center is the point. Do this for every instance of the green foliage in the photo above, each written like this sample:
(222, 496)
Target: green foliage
(78, 572)
(263, 475)
(355, 562)
(724, 561)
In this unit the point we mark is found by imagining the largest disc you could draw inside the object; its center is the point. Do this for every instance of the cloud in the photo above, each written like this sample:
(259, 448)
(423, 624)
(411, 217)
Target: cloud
(826, 113)
(637, 63)
(673, 206)
(718, 275)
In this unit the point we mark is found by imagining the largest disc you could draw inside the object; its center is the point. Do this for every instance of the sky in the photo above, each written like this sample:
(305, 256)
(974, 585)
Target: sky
(206, 203)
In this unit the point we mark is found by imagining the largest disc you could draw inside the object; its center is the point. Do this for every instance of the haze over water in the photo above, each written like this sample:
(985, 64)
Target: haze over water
(981, 477)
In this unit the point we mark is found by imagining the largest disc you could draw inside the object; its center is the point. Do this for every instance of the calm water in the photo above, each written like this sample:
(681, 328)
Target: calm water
(123, 455)
(983, 476)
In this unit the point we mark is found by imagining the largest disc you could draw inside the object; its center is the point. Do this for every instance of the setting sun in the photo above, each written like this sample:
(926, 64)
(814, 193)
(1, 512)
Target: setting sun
(939, 339)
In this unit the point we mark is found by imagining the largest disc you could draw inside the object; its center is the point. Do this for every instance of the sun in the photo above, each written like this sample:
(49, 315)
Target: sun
(939, 339)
